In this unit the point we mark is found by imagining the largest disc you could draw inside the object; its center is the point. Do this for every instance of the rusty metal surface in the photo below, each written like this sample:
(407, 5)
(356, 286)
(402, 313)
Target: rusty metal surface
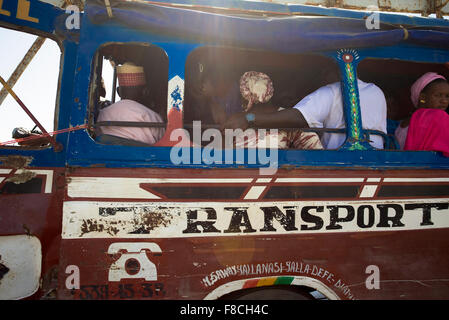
(15, 161)
(425, 7)
(35, 214)
(206, 255)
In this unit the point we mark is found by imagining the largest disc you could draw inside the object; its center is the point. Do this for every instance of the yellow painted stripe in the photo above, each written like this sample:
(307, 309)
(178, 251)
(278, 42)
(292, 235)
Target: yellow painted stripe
(266, 282)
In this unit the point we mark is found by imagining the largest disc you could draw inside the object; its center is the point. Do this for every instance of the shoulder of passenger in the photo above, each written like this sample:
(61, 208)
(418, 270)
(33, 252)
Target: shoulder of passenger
(369, 85)
(330, 89)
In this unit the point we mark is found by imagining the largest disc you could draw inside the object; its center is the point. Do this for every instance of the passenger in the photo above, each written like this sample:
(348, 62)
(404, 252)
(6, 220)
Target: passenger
(428, 127)
(422, 95)
(217, 98)
(133, 93)
(322, 109)
(103, 102)
(257, 89)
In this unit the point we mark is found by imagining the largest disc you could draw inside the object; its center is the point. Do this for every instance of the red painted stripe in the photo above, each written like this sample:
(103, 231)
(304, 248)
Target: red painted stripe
(250, 284)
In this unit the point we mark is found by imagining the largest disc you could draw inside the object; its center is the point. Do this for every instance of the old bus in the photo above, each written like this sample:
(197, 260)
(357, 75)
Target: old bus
(84, 219)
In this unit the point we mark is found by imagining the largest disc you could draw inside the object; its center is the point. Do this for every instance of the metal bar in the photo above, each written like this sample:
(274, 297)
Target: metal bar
(130, 124)
(108, 8)
(55, 144)
(134, 124)
(114, 84)
(216, 126)
(22, 66)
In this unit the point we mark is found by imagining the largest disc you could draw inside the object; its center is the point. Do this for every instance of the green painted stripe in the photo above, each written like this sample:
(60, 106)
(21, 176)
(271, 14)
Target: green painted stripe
(284, 280)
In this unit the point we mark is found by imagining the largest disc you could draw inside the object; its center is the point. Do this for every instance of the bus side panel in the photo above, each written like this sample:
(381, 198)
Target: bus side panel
(31, 202)
(183, 233)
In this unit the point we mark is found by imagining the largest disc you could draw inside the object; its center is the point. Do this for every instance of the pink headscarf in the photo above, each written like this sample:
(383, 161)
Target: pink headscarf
(421, 83)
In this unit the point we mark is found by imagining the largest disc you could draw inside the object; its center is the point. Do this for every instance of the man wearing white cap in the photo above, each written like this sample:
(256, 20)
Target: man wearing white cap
(133, 92)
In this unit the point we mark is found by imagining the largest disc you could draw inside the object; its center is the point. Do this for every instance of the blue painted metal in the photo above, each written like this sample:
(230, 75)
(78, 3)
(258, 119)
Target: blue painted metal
(81, 150)
(45, 12)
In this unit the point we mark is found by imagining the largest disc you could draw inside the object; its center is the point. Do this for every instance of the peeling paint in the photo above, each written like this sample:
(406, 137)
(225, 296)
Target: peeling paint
(118, 221)
(91, 225)
(149, 219)
(22, 177)
(49, 284)
(18, 162)
(15, 162)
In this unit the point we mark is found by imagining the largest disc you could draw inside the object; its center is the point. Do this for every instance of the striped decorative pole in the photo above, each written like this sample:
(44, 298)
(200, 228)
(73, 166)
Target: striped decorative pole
(355, 137)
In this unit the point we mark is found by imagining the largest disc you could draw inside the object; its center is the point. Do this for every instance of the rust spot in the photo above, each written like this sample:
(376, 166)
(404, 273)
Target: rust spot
(15, 162)
(18, 162)
(49, 284)
(288, 166)
(90, 225)
(150, 219)
(27, 230)
(97, 165)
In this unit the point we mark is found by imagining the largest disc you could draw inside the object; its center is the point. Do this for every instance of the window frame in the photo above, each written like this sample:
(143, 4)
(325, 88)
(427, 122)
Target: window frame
(47, 155)
(83, 152)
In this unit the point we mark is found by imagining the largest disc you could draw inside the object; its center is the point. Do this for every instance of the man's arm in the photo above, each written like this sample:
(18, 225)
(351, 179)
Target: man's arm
(287, 118)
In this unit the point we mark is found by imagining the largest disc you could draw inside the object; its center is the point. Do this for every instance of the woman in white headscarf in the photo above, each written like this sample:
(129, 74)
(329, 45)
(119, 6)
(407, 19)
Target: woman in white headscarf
(257, 89)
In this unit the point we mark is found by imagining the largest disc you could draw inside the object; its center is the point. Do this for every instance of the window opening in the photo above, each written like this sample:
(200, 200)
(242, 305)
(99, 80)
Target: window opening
(29, 90)
(214, 91)
(397, 84)
(129, 95)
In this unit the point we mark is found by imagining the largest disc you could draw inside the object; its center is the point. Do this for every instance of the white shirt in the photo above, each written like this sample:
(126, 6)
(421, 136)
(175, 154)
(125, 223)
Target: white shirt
(323, 108)
(129, 110)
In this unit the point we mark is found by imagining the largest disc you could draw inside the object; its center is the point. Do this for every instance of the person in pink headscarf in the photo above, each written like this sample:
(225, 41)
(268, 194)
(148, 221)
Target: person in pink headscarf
(428, 127)
(422, 95)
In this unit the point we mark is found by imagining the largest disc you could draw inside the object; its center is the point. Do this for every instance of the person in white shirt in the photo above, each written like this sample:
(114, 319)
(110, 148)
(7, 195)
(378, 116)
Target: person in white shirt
(323, 108)
(130, 108)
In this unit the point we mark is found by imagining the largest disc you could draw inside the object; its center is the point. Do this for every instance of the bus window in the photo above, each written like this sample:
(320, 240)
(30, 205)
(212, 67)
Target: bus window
(30, 67)
(117, 69)
(396, 86)
(212, 88)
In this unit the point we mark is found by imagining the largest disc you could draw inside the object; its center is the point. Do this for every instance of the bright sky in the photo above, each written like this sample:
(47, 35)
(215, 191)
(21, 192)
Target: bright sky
(38, 84)
(36, 87)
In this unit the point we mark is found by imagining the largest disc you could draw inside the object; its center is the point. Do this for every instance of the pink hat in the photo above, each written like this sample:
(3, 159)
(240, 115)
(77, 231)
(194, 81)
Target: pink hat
(256, 87)
(421, 83)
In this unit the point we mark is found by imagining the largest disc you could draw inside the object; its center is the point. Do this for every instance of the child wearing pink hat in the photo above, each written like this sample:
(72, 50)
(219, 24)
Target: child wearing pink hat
(428, 127)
